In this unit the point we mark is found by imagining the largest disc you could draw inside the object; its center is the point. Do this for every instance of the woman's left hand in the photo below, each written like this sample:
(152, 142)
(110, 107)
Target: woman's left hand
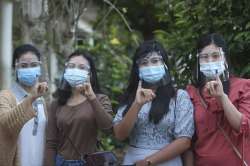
(215, 88)
(86, 90)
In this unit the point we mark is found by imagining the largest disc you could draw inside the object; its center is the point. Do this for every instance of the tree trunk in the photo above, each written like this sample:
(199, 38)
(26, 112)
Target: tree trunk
(34, 31)
(6, 12)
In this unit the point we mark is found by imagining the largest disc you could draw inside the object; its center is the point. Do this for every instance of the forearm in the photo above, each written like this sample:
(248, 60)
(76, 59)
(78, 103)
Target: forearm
(177, 147)
(123, 128)
(233, 116)
(103, 118)
(188, 158)
(14, 118)
(50, 155)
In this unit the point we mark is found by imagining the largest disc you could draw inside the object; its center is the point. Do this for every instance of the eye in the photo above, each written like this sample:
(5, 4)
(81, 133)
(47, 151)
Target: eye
(154, 60)
(23, 65)
(215, 55)
(70, 65)
(34, 64)
(143, 62)
(204, 56)
(84, 67)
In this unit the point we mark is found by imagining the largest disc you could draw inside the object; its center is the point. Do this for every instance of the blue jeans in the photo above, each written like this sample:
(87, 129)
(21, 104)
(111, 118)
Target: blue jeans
(60, 161)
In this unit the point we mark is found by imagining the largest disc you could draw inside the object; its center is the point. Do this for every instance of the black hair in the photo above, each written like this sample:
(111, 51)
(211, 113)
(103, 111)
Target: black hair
(216, 39)
(23, 49)
(160, 104)
(64, 91)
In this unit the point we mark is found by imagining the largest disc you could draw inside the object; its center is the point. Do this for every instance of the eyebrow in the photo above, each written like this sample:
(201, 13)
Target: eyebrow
(28, 61)
(155, 56)
(210, 52)
(75, 63)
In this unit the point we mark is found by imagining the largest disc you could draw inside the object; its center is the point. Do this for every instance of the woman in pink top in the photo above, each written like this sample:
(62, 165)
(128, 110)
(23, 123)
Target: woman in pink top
(222, 108)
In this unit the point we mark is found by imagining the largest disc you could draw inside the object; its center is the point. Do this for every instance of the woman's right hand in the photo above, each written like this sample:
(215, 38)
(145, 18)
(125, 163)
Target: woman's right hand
(39, 90)
(143, 95)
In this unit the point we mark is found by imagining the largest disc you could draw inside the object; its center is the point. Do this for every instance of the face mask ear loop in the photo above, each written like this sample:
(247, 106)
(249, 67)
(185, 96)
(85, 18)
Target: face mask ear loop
(225, 73)
(16, 62)
(226, 65)
(165, 66)
(197, 65)
(62, 80)
(16, 73)
(89, 76)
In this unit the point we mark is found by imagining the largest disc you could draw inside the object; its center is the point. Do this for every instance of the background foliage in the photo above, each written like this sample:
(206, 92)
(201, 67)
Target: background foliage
(121, 25)
(178, 25)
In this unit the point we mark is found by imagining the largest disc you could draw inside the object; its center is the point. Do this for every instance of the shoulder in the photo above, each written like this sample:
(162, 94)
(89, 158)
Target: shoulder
(182, 98)
(239, 87)
(181, 93)
(101, 95)
(102, 98)
(240, 83)
(53, 106)
(7, 95)
(191, 89)
(183, 102)
(105, 101)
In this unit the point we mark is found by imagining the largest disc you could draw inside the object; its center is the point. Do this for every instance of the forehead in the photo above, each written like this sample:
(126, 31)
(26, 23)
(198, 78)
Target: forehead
(78, 60)
(210, 48)
(28, 57)
(151, 55)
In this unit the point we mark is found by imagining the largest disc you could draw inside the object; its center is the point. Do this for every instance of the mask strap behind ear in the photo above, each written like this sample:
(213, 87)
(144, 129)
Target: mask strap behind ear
(167, 78)
(166, 67)
(197, 65)
(15, 74)
(226, 72)
(223, 56)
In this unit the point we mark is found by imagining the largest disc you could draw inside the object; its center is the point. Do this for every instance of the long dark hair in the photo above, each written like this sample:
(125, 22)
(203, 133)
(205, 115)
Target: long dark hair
(64, 91)
(216, 39)
(160, 104)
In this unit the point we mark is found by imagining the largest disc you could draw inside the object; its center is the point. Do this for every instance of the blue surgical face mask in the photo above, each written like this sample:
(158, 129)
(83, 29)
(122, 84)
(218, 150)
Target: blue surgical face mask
(75, 76)
(152, 74)
(28, 76)
(212, 69)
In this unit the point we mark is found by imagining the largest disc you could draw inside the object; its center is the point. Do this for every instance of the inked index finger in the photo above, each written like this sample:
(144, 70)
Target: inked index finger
(139, 84)
(218, 79)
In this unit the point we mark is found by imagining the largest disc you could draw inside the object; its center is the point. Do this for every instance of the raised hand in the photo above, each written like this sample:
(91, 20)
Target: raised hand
(86, 90)
(143, 95)
(39, 90)
(215, 88)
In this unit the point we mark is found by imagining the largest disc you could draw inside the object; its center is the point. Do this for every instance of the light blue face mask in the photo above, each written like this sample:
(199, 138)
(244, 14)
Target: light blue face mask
(212, 69)
(75, 76)
(28, 76)
(152, 74)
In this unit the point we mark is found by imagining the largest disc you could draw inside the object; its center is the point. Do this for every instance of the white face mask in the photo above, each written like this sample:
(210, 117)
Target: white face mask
(212, 69)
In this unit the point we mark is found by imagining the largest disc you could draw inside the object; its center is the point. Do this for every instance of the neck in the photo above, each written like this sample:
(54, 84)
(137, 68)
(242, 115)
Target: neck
(154, 88)
(75, 93)
(76, 98)
(28, 89)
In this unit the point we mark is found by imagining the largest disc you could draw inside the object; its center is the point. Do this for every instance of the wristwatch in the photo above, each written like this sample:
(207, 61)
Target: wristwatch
(149, 163)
